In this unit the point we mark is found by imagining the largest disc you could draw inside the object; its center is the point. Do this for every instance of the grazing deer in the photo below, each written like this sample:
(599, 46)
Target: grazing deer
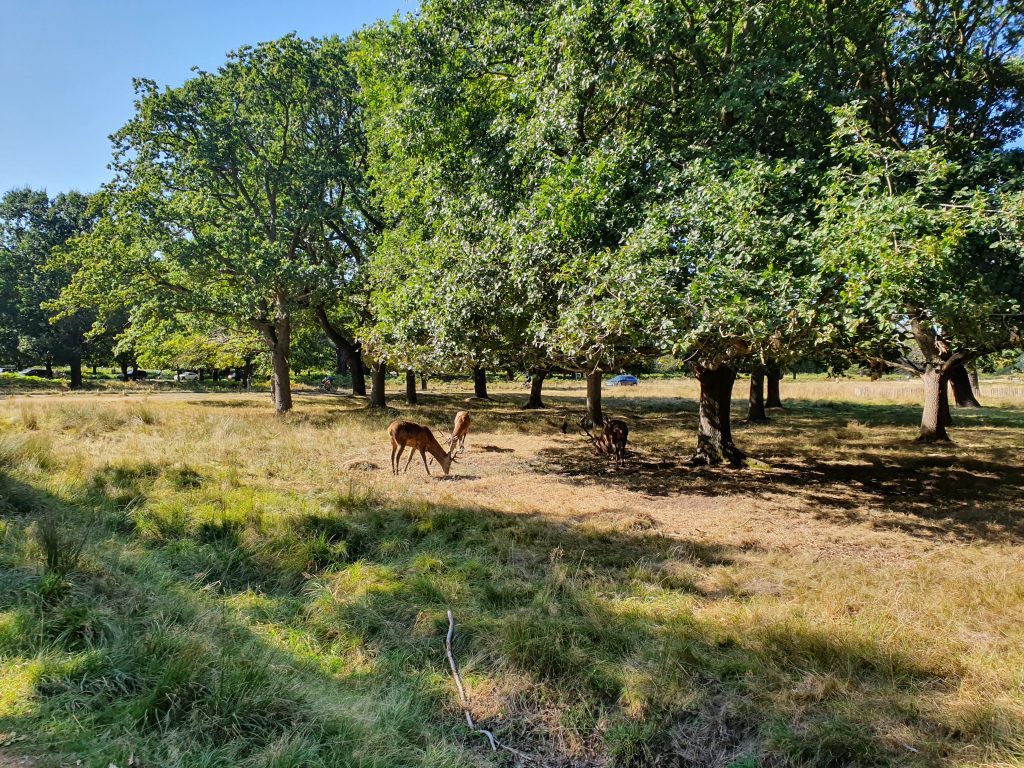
(417, 438)
(612, 440)
(459, 431)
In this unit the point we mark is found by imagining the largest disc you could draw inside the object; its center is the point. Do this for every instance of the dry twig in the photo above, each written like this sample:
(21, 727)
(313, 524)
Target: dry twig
(464, 699)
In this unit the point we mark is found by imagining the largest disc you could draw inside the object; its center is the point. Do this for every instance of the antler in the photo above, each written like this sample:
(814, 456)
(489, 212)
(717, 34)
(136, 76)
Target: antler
(584, 420)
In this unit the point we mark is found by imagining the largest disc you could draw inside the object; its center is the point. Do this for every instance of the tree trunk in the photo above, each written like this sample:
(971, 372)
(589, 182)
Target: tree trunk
(423, 382)
(480, 382)
(76, 372)
(410, 387)
(282, 380)
(345, 349)
(536, 384)
(355, 365)
(594, 398)
(247, 374)
(340, 360)
(975, 381)
(755, 409)
(510, 375)
(124, 369)
(94, 367)
(935, 417)
(49, 369)
(963, 392)
(377, 378)
(773, 375)
(278, 336)
(714, 425)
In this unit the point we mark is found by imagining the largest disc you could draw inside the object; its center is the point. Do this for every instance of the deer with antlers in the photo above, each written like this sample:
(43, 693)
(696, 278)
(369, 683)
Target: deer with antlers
(418, 438)
(612, 440)
(459, 431)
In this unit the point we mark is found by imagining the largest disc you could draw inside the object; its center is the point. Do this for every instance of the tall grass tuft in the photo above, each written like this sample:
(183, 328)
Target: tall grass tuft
(29, 418)
(25, 451)
(60, 544)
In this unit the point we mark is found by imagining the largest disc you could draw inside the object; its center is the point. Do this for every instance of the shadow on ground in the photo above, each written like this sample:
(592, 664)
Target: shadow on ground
(315, 640)
(932, 491)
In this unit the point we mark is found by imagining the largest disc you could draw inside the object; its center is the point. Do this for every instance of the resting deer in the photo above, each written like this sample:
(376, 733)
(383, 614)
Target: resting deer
(612, 440)
(459, 431)
(418, 438)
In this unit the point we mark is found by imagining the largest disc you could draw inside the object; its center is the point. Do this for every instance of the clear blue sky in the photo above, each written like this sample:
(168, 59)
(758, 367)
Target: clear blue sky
(66, 68)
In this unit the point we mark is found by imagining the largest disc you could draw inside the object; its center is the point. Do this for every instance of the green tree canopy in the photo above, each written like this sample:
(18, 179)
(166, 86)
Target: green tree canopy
(31, 226)
(238, 195)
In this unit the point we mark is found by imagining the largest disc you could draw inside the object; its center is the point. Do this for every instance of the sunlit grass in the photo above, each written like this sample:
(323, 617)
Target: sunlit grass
(242, 598)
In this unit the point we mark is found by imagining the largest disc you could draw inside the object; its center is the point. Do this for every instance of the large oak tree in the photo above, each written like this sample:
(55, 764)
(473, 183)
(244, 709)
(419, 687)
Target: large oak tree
(238, 195)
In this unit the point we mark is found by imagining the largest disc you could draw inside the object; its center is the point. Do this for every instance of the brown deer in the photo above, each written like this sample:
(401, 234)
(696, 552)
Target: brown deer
(612, 440)
(459, 431)
(417, 438)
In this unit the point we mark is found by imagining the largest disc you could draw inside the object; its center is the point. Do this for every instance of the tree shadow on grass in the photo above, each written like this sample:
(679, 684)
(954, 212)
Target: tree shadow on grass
(925, 490)
(318, 638)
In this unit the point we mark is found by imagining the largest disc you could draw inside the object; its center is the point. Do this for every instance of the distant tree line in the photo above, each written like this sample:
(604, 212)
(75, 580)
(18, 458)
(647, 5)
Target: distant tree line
(488, 185)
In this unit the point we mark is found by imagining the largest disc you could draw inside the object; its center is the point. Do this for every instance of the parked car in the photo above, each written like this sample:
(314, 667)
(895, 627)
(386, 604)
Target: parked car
(186, 376)
(40, 372)
(623, 380)
(136, 375)
(8, 369)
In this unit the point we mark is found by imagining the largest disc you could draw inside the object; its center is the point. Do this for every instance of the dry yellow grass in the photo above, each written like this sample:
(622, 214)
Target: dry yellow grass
(863, 575)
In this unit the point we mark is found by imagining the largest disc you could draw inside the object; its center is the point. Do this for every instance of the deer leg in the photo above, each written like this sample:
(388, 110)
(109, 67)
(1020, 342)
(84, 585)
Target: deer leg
(394, 464)
(412, 454)
(424, 455)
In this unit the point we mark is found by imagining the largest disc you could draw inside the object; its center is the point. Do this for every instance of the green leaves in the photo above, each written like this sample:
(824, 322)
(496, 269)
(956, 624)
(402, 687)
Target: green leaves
(31, 227)
(239, 194)
(910, 242)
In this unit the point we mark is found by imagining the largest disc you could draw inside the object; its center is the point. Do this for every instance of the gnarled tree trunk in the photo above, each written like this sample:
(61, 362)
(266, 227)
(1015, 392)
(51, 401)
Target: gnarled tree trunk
(963, 392)
(935, 417)
(537, 376)
(755, 407)
(479, 382)
(377, 377)
(410, 387)
(714, 425)
(594, 398)
(423, 382)
(772, 376)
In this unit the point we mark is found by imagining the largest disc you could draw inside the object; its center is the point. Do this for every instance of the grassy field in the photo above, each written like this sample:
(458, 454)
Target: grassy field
(186, 580)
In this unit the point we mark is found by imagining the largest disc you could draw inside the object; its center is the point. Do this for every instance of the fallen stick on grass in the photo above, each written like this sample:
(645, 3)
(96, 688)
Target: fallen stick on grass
(464, 699)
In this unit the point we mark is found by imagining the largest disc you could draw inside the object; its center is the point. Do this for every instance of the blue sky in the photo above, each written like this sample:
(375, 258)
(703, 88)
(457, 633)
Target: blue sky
(66, 68)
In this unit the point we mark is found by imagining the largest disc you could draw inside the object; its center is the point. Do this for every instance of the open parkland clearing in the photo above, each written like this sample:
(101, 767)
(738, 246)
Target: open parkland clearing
(187, 579)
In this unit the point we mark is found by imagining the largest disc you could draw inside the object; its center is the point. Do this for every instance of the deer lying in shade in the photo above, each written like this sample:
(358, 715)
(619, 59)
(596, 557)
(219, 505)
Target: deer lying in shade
(418, 438)
(612, 440)
(459, 431)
